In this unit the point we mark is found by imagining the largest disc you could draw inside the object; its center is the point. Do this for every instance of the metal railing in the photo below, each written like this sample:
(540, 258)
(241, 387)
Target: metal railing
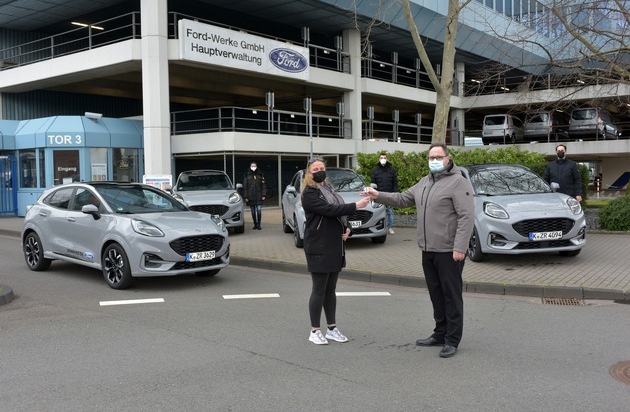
(251, 120)
(115, 30)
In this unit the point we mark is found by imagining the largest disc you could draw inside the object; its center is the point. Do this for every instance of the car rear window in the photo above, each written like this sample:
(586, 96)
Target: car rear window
(585, 114)
(494, 120)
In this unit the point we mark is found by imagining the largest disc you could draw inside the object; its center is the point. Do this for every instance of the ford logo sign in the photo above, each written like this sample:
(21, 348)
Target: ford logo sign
(288, 60)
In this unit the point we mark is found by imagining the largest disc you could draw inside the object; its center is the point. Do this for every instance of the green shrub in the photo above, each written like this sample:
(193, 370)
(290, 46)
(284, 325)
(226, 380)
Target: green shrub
(616, 215)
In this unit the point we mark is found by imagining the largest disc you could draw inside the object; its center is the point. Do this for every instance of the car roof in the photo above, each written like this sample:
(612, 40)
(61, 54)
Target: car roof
(203, 172)
(490, 166)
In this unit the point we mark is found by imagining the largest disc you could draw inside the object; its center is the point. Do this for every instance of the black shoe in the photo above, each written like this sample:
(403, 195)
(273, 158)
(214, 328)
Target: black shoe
(255, 227)
(259, 228)
(448, 351)
(430, 341)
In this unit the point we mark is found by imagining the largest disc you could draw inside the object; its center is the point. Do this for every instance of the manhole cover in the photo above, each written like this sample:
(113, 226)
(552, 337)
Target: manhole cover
(621, 371)
(563, 301)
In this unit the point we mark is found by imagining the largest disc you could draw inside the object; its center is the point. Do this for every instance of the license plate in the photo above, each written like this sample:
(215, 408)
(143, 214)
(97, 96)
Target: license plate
(199, 256)
(557, 234)
(355, 224)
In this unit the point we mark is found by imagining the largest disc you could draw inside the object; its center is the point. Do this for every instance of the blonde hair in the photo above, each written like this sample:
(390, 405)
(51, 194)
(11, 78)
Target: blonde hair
(308, 179)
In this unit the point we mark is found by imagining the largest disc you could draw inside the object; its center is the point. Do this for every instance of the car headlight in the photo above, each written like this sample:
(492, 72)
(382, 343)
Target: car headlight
(575, 206)
(234, 198)
(376, 205)
(219, 222)
(146, 229)
(495, 211)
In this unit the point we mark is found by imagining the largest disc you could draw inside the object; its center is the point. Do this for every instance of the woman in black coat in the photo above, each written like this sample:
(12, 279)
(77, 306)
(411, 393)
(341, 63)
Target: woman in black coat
(325, 232)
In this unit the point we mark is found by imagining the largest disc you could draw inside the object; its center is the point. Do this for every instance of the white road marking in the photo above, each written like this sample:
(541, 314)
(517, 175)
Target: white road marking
(130, 302)
(363, 294)
(252, 296)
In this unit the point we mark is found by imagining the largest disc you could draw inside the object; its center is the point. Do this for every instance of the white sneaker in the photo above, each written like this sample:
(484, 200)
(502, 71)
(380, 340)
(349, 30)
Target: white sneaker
(391, 231)
(317, 338)
(335, 335)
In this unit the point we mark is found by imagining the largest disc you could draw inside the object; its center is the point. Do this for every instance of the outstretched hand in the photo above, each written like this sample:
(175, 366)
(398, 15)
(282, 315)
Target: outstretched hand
(363, 202)
(370, 192)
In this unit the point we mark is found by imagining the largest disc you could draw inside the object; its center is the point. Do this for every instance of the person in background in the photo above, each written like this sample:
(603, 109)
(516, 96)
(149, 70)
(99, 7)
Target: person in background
(386, 178)
(446, 218)
(255, 192)
(325, 231)
(565, 173)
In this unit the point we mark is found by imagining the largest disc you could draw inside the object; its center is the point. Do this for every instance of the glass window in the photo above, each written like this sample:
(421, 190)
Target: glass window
(66, 166)
(42, 168)
(59, 198)
(125, 165)
(98, 164)
(84, 197)
(28, 169)
(498, 5)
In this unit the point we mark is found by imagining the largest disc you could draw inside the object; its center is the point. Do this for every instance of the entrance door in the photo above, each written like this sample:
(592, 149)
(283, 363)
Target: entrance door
(8, 185)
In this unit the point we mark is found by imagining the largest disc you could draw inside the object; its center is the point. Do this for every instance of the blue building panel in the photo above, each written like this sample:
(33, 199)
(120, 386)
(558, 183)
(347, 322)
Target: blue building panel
(65, 132)
(7, 134)
(124, 132)
(96, 133)
(32, 133)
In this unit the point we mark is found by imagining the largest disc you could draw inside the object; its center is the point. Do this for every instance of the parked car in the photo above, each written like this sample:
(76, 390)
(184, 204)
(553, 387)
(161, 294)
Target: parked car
(126, 230)
(592, 122)
(546, 125)
(368, 222)
(501, 128)
(212, 191)
(517, 212)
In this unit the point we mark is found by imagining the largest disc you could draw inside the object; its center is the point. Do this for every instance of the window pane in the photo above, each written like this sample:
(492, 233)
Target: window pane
(66, 166)
(28, 169)
(125, 165)
(98, 164)
(42, 169)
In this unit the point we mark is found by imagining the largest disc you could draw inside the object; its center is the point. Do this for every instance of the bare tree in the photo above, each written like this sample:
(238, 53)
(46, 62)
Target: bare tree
(444, 83)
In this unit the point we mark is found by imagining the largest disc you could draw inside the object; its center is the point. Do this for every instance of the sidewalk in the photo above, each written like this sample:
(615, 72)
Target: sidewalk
(600, 271)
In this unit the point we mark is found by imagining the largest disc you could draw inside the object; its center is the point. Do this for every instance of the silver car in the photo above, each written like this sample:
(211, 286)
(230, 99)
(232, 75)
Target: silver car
(517, 212)
(126, 230)
(368, 222)
(211, 191)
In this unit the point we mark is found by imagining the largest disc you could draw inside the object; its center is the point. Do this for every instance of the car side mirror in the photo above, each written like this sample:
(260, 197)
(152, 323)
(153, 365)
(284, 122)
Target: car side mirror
(291, 189)
(373, 185)
(555, 186)
(91, 209)
(239, 186)
(168, 189)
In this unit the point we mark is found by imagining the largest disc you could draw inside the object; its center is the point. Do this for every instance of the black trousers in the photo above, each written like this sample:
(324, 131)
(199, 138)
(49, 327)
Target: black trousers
(444, 281)
(323, 296)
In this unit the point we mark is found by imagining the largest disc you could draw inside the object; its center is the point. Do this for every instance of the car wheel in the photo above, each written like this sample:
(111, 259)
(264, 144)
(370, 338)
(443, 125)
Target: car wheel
(208, 273)
(34, 253)
(239, 229)
(116, 269)
(285, 226)
(474, 248)
(379, 239)
(299, 242)
(570, 253)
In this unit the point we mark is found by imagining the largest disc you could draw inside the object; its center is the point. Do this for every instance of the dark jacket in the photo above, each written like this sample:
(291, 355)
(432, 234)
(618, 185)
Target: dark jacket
(566, 173)
(385, 177)
(254, 187)
(445, 207)
(323, 245)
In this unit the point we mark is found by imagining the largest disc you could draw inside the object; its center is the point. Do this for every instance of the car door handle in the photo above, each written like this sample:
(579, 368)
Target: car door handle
(71, 219)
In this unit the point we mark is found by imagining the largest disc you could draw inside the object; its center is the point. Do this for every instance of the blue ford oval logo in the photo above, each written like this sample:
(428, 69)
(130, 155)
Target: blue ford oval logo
(288, 60)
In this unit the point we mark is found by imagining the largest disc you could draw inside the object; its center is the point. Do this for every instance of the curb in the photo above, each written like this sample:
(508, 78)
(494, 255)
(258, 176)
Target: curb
(6, 295)
(536, 291)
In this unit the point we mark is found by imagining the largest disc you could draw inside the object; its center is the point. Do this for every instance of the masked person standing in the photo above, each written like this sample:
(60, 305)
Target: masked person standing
(325, 231)
(255, 192)
(445, 208)
(565, 173)
(385, 177)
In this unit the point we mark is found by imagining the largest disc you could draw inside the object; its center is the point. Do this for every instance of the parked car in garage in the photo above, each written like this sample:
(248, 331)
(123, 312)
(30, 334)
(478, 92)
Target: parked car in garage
(368, 222)
(212, 191)
(126, 230)
(546, 125)
(517, 212)
(501, 128)
(592, 123)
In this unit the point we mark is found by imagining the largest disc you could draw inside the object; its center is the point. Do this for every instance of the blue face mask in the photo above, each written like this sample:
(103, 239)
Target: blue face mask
(436, 166)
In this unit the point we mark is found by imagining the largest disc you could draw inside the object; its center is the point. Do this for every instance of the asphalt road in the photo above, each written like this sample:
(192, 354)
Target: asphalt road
(62, 350)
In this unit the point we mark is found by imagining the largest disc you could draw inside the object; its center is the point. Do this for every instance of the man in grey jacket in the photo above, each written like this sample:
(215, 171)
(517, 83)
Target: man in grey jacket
(446, 217)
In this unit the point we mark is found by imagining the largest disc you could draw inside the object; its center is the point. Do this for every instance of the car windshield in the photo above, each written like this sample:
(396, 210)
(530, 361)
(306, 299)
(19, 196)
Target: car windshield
(190, 182)
(136, 199)
(538, 118)
(507, 181)
(345, 180)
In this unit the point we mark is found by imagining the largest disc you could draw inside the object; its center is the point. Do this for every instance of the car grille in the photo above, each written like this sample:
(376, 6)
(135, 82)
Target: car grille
(361, 215)
(197, 244)
(210, 209)
(525, 227)
(544, 244)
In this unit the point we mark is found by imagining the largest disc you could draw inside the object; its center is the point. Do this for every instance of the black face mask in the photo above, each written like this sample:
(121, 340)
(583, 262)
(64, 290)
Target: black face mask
(560, 154)
(320, 176)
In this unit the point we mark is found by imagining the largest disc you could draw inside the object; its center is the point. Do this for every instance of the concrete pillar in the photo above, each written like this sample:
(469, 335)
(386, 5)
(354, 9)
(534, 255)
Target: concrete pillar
(155, 87)
(352, 98)
(457, 122)
(460, 77)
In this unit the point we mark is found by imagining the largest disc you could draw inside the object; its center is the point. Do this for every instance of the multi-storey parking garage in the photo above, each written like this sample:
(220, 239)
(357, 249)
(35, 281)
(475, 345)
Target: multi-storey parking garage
(217, 84)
